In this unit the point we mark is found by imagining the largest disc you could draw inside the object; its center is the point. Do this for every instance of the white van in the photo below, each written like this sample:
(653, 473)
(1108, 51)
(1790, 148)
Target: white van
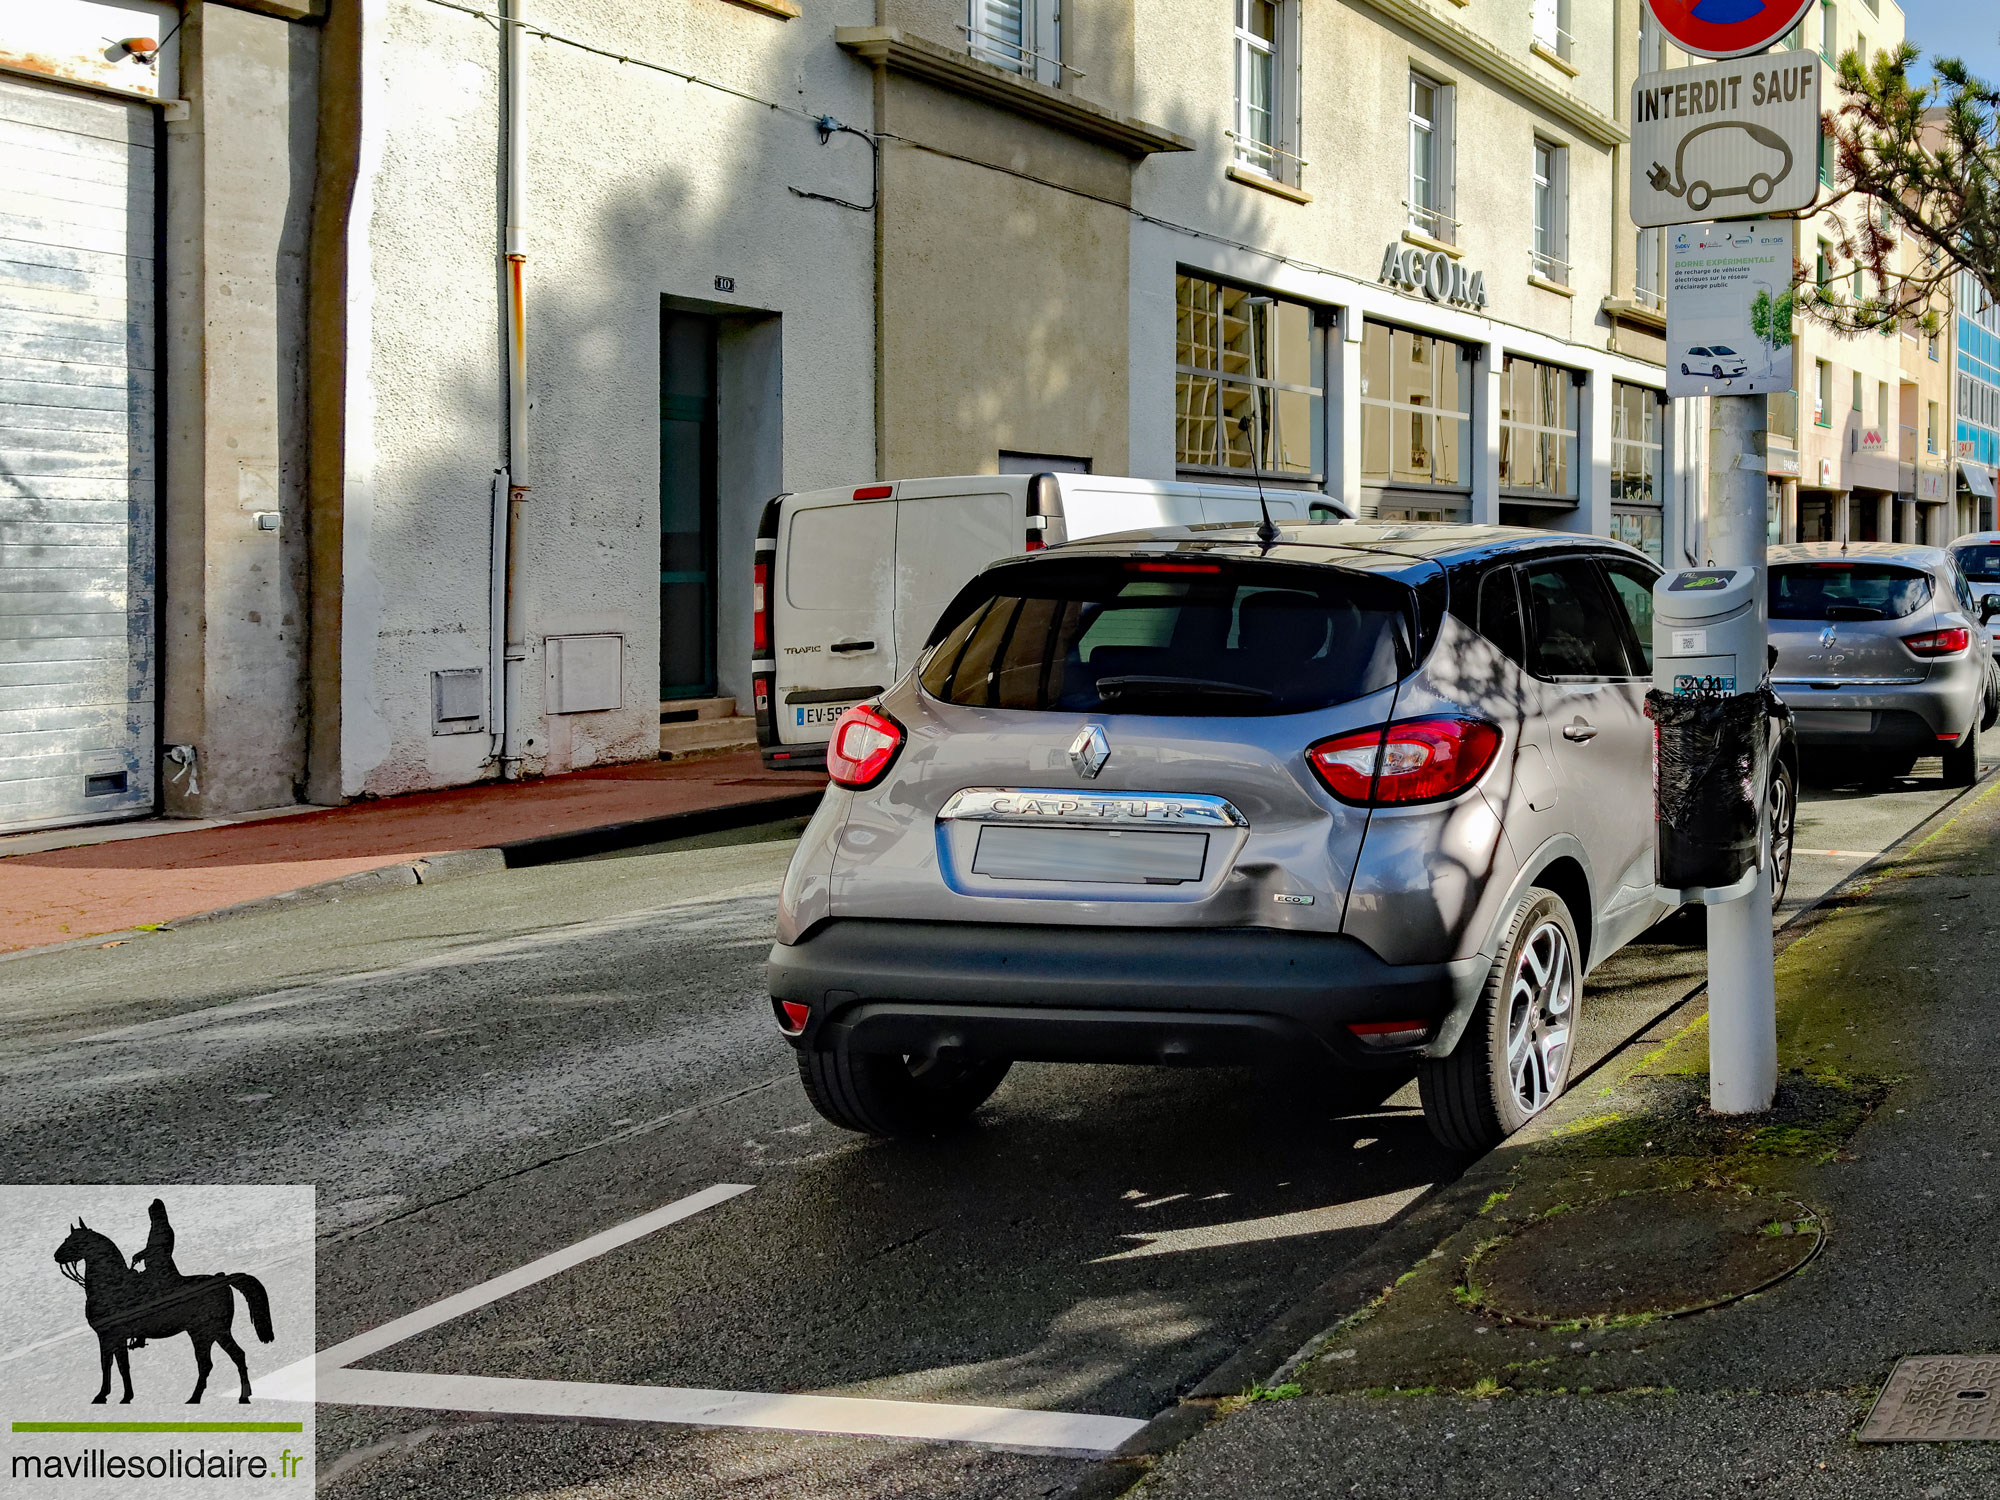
(850, 581)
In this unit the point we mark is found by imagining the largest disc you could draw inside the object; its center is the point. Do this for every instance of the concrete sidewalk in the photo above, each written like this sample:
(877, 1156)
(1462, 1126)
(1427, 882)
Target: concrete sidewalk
(119, 877)
(1642, 1299)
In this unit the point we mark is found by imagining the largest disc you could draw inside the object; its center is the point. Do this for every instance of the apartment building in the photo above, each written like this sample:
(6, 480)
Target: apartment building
(1974, 329)
(1395, 264)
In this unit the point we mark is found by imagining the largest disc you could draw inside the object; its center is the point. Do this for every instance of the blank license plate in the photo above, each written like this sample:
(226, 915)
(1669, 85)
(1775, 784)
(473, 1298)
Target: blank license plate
(1836, 720)
(1101, 856)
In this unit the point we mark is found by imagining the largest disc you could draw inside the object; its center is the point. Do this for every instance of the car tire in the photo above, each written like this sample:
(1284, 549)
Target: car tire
(1961, 765)
(881, 1093)
(1784, 815)
(1514, 1057)
(1990, 709)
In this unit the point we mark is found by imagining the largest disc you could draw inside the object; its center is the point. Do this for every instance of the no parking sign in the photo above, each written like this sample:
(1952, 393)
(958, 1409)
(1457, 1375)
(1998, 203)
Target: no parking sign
(1727, 28)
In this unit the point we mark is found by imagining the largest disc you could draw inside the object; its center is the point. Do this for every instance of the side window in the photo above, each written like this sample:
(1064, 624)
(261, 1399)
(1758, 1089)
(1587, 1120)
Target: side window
(1963, 590)
(1572, 632)
(1500, 614)
(1633, 584)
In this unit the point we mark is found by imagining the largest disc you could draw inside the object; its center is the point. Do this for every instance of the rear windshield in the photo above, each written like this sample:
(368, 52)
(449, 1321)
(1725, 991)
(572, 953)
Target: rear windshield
(1981, 563)
(1847, 591)
(1159, 636)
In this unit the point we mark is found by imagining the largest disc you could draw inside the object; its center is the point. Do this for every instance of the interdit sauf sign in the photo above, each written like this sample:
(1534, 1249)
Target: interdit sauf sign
(1726, 139)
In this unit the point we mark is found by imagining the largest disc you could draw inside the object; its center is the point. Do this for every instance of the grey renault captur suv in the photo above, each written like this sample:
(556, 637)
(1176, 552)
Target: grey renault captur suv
(1379, 796)
(1882, 654)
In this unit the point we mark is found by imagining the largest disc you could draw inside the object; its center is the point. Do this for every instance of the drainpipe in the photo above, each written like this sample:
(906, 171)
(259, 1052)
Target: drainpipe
(513, 613)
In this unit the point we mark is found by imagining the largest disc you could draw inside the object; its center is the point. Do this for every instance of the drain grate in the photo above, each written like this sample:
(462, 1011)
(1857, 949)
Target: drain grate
(1938, 1398)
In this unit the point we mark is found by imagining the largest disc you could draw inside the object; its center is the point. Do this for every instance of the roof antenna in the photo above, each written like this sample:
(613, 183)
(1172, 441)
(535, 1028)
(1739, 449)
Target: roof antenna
(1267, 529)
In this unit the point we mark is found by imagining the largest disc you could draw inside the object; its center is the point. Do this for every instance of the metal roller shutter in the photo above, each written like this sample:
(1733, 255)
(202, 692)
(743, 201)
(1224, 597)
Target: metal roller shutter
(77, 446)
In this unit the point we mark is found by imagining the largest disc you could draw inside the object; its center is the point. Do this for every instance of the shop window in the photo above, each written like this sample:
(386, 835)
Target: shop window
(1416, 408)
(1537, 429)
(1249, 389)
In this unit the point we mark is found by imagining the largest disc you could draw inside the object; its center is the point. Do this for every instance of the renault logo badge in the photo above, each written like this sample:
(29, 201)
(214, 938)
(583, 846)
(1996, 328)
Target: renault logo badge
(1089, 751)
(1826, 636)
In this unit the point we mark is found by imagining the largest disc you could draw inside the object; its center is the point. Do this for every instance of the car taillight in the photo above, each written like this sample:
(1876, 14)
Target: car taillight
(1939, 642)
(760, 608)
(864, 741)
(1420, 760)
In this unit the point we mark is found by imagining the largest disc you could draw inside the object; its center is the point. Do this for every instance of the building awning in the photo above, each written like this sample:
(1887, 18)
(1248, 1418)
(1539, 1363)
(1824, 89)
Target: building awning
(1978, 478)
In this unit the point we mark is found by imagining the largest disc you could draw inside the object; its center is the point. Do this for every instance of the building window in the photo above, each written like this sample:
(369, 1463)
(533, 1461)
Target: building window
(1267, 69)
(1552, 27)
(1550, 256)
(1537, 429)
(1784, 414)
(1822, 393)
(1882, 406)
(1829, 33)
(1416, 408)
(1646, 270)
(1431, 159)
(1638, 451)
(1931, 427)
(1248, 383)
(1930, 344)
(1857, 390)
(1022, 36)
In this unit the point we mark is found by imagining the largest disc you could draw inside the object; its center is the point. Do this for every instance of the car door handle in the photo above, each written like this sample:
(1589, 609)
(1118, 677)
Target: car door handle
(1580, 733)
(852, 643)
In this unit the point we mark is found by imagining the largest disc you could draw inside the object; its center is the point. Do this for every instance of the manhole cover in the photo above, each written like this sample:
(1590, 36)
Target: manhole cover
(1938, 1398)
(1650, 1253)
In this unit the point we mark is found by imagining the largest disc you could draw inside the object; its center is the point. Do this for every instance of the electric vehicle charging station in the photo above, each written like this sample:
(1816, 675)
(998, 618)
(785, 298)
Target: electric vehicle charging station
(1712, 731)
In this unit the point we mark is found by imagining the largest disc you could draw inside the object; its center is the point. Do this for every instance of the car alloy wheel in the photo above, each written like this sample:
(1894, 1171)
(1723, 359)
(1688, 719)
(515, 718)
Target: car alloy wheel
(1539, 1009)
(1513, 1057)
(1784, 827)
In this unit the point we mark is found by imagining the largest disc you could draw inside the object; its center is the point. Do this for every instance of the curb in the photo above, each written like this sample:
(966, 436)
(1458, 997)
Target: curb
(1407, 1238)
(461, 864)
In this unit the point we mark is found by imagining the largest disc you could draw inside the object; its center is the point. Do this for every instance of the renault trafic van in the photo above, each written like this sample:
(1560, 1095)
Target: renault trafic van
(850, 581)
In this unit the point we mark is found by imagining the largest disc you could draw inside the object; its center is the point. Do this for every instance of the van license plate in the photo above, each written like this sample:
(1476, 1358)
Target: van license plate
(819, 715)
(1099, 856)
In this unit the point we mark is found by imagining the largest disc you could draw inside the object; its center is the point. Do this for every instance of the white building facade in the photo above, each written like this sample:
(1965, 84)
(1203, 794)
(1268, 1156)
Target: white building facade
(1431, 201)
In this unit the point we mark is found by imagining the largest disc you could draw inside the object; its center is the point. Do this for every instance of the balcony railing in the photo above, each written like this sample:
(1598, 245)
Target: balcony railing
(1434, 222)
(1549, 267)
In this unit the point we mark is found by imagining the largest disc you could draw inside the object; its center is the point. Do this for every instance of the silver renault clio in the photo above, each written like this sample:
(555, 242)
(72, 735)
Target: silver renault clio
(1379, 796)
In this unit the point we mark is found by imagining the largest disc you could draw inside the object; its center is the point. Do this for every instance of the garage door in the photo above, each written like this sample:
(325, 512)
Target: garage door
(77, 442)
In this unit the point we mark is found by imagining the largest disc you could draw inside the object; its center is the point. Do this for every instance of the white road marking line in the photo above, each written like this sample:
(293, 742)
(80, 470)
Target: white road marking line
(845, 1416)
(1840, 853)
(1365, 1213)
(326, 1378)
(424, 1318)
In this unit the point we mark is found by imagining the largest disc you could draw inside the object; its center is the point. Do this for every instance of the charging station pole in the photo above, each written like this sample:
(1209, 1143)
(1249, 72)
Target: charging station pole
(1742, 987)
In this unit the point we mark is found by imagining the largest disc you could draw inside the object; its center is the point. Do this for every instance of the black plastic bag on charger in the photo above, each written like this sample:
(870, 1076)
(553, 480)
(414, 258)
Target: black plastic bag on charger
(1710, 766)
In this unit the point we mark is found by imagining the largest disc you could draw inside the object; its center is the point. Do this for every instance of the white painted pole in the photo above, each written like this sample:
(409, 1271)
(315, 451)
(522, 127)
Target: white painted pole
(1742, 988)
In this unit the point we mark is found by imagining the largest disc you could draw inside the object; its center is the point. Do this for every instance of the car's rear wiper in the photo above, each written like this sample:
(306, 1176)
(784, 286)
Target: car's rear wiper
(1853, 612)
(1177, 687)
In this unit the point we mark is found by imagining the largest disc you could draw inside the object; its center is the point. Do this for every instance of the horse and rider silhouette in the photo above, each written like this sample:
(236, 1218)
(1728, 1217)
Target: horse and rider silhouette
(126, 1306)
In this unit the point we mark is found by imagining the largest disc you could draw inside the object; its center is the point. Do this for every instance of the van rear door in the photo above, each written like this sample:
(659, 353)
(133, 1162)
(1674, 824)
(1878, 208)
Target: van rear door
(943, 539)
(833, 608)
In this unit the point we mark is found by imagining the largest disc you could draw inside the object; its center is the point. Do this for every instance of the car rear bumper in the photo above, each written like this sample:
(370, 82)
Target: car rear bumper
(1097, 994)
(1918, 717)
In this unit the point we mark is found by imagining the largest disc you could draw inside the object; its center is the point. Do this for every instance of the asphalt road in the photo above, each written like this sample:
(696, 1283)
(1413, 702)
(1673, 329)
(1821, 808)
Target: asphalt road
(480, 1073)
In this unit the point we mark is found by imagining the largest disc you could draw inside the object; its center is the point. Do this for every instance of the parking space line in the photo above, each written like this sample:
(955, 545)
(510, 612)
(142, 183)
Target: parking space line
(1839, 853)
(334, 1382)
(845, 1416)
(396, 1330)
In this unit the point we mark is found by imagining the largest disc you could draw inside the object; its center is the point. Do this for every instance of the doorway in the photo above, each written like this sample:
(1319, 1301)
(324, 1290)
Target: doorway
(688, 448)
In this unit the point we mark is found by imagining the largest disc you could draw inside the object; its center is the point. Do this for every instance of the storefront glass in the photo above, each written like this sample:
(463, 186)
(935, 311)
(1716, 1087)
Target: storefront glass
(1537, 429)
(1416, 409)
(1248, 384)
